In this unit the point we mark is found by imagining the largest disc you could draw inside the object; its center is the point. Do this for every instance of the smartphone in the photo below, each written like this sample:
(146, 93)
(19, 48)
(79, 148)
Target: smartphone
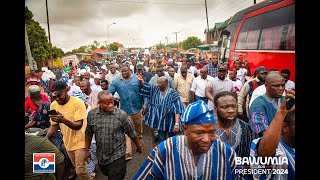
(290, 102)
(52, 112)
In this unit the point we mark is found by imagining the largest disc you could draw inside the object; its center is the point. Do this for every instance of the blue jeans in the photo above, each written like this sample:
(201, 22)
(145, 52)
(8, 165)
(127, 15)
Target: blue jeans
(56, 139)
(163, 135)
(205, 99)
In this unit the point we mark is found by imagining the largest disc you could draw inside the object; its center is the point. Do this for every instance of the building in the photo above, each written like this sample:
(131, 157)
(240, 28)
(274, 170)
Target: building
(99, 54)
(75, 58)
(213, 34)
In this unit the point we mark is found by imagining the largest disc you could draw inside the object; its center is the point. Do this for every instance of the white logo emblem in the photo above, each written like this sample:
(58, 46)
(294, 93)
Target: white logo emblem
(44, 162)
(208, 115)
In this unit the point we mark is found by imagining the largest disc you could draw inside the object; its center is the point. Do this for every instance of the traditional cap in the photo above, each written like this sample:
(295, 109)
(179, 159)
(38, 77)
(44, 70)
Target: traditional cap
(198, 113)
(33, 88)
(82, 71)
(261, 70)
(96, 76)
(57, 86)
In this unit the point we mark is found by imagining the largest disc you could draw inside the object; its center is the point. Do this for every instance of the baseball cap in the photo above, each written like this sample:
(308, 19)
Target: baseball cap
(140, 66)
(262, 69)
(198, 113)
(33, 88)
(222, 67)
(56, 87)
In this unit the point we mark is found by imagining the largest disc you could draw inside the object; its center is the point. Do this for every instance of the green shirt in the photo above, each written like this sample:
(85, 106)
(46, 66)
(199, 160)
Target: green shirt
(39, 144)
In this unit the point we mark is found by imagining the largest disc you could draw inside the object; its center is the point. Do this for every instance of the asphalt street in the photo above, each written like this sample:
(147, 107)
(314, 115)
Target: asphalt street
(137, 159)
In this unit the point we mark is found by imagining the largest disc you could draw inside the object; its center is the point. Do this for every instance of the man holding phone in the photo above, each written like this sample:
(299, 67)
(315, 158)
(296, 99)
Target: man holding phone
(71, 119)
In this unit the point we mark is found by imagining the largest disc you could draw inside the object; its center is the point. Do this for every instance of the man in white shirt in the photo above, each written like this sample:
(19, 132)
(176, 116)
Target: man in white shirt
(286, 75)
(241, 72)
(237, 84)
(198, 86)
(112, 74)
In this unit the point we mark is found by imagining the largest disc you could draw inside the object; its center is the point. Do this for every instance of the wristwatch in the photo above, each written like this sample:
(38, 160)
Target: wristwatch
(176, 124)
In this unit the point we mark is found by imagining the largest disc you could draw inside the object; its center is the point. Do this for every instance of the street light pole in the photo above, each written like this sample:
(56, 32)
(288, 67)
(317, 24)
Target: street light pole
(108, 34)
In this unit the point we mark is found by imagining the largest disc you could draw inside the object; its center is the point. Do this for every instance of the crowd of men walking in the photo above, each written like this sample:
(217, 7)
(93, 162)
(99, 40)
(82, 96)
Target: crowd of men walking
(202, 114)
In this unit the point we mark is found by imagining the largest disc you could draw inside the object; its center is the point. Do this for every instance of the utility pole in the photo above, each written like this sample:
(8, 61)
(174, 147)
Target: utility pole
(207, 25)
(49, 33)
(32, 62)
(177, 40)
(167, 39)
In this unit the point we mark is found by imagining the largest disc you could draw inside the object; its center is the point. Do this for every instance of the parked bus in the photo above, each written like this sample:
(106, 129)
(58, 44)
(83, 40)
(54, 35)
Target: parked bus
(262, 34)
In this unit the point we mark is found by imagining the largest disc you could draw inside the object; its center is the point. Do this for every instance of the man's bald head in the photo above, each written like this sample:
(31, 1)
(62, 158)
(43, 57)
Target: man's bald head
(163, 79)
(204, 72)
(272, 76)
(275, 84)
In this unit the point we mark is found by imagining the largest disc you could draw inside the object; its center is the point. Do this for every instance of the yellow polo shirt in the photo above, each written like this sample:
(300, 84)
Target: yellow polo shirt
(73, 110)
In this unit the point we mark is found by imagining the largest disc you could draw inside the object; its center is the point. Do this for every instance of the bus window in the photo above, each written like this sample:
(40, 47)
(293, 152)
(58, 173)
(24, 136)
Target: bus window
(263, 35)
(226, 39)
(274, 30)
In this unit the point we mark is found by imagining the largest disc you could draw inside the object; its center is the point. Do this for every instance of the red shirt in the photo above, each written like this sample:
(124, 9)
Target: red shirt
(28, 104)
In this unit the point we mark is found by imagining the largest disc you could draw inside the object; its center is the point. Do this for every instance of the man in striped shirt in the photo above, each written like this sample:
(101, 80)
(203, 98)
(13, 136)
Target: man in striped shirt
(195, 155)
(278, 141)
(218, 84)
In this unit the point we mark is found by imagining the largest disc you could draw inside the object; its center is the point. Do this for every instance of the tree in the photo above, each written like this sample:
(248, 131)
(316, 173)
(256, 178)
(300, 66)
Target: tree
(57, 52)
(38, 41)
(102, 47)
(94, 46)
(39, 46)
(114, 46)
(160, 46)
(190, 42)
(172, 45)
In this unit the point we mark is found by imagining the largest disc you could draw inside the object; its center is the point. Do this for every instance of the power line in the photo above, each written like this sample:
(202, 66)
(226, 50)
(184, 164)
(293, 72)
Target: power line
(144, 2)
(232, 11)
(216, 12)
(227, 14)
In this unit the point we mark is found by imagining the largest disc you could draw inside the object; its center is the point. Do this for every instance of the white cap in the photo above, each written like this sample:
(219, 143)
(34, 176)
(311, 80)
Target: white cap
(82, 71)
(33, 88)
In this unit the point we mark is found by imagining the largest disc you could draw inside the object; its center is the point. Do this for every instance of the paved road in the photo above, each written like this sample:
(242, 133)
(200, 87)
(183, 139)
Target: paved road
(137, 159)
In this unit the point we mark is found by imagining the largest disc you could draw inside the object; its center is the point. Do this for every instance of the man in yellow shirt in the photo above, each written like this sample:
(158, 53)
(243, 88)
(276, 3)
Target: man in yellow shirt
(71, 120)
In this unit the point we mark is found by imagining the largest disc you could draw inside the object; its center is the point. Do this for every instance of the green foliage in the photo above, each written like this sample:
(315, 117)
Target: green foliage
(102, 47)
(160, 46)
(57, 52)
(172, 45)
(81, 49)
(38, 41)
(114, 46)
(190, 42)
(28, 15)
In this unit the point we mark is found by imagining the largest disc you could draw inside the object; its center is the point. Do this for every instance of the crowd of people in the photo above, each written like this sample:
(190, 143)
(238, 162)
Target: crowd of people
(203, 115)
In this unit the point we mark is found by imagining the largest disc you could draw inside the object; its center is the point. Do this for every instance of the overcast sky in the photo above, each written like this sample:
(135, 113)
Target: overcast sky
(139, 23)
